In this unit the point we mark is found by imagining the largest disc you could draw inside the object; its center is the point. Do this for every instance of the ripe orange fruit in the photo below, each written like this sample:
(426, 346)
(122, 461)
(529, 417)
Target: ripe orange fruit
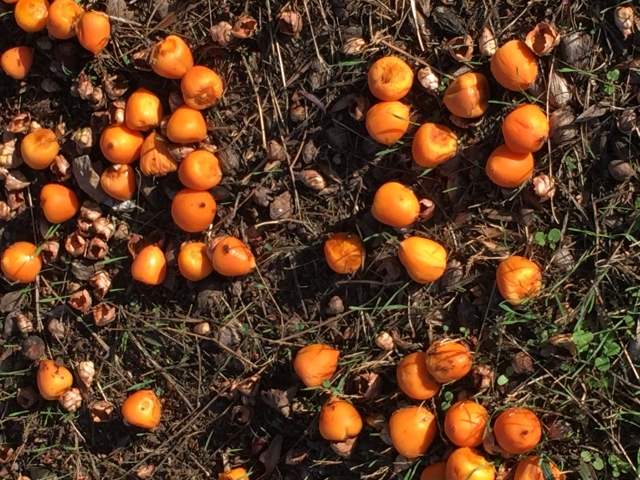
(120, 144)
(424, 259)
(58, 202)
(390, 78)
(21, 262)
(448, 361)
(93, 30)
(435, 471)
(339, 420)
(142, 409)
(514, 66)
(387, 122)
(62, 16)
(16, 61)
(200, 170)
(465, 423)
(201, 87)
(509, 169)
(433, 144)
(518, 279)
(468, 95)
(143, 110)
(193, 210)
(39, 148)
(171, 57)
(31, 15)
(155, 159)
(193, 262)
(231, 257)
(150, 266)
(53, 380)
(316, 363)
(530, 468)
(517, 430)
(412, 430)
(396, 205)
(525, 129)
(344, 252)
(186, 125)
(414, 379)
(119, 181)
(234, 474)
(468, 464)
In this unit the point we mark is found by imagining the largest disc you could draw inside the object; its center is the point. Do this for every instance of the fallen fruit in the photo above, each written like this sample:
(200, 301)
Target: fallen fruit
(448, 360)
(465, 423)
(62, 17)
(530, 468)
(193, 210)
(93, 30)
(142, 409)
(120, 144)
(143, 110)
(387, 122)
(16, 62)
(316, 364)
(21, 262)
(339, 420)
(390, 78)
(200, 170)
(31, 15)
(509, 169)
(58, 203)
(119, 181)
(231, 257)
(517, 430)
(412, 430)
(53, 379)
(234, 474)
(424, 259)
(468, 464)
(518, 279)
(171, 57)
(201, 87)
(155, 158)
(514, 66)
(468, 95)
(395, 205)
(414, 379)
(39, 148)
(435, 471)
(525, 129)
(186, 125)
(149, 266)
(433, 144)
(344, 252)
(193, 262)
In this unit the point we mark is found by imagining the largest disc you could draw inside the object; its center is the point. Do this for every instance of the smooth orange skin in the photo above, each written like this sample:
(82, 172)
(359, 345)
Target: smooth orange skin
(468, 464)
(514, 66)
(390, 78)
(395, 205)
(143, 111)
(120, 144)
(465, 423)
(21, 262)
(193, 210)
(155, 159)
(344, 252)
(62, 17)
(53, 380)
(142, 409)
(424, 259)
(186, 125)
(529, 469)
(517, 430)
(39, 148)
(201, 87)
(171, 58)
(433, 144)
(93, 30)
(16, 61)
(414, 379)
(59, 203)
(150, 266)
(200, 170)
(448, 361)
(119, 181)
(31, 15)
(435, 471)
(234, 474)
(339, 421)
(193, 262)
(412, 430)
(525, 129)
(232, 258)
(518, 279)
(387, 122)
(468, 95)
(509, 169)
(316, 364)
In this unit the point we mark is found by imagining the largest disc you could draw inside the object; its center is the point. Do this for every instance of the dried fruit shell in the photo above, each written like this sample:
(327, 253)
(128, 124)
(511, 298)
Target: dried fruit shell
(543, 39)
(460, 48)
(624, 18)
(487, 43)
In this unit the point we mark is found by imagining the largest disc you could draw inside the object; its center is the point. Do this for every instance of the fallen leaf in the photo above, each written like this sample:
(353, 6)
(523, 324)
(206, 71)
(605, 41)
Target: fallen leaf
(281, 206)
(11, 301)
(279, 399)
(88, 178)
(594, 111)
(271, 456)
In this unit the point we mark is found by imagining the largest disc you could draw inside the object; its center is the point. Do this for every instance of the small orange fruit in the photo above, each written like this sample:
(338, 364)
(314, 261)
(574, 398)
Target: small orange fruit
(171, 57)
(412, 430)
(39, 148)
(186, 125)
(339, 420)
(201, 87)
(344, 252)
(21, 262)
(200, 170)
(31, 15)
(395, 205)
(509, 169)
(119, 181)
(16, 61)
(150, 266)
(231, 257)
(390, 78)
(62, 17)
(316, 364)
(465, 423)
(387, 122)
(514, 66)
(468, 464)
(518, 279)
(414, 379)
(120, 144)
(142, 409)
(424, 259)
(143, 111)
(525, 129)
(193, 262)
(435, 471)
(517, 430)
(193, 210)
(433, 144)
(155, 159)
(53, 380)
(448, 361)
(468, 95)
(530, 468)
(234, 474)
(93, 30)
(58, 202)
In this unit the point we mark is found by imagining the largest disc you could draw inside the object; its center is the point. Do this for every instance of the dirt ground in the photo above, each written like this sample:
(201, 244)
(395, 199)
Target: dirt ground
(230, 396)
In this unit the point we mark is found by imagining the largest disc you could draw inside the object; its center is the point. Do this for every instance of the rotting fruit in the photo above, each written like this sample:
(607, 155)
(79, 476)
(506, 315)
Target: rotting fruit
(93, 30)
(339, 420)
(234, 474)
(200, 170)
(525, 129)
(529, 468)
(316, 364)
(39, 148)
(468, 95)
(509, 169)
(201, 87)
(344, 252)
(518, 279)
(149, 266)
(390, 78)
(231, 257)
(120, 144)
(412, 430)
(435, 471)
(425, 260)
(514, 66)
(193, 210)
(16, 61)
(155, 159)
(468, 464)
(62, 17)
(53, 380)
(186, 125)
(119, 181)
(433, 144)
(142, 409)
(59, 203)
(414, 379)
(517, 430)
(31, 15)
(465, 423)
(448, 360)
(171, 57)
(143, 110)
(395, 205)
(193, 261)
(387, 122)
(21, 262)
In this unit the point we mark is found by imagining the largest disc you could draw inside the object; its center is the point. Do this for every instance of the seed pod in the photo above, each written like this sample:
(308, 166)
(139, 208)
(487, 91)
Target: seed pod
(202, 328)
(627, 121)
(56, 328)
(312, 179)
(24, 322)
(71, 400)
(460, 48)
(543, 39)
(625, 18)
(385, 341)
(544, 187)
(559, 93)
(353, 45)
(428, 80)
(86, 372)
(487, 43)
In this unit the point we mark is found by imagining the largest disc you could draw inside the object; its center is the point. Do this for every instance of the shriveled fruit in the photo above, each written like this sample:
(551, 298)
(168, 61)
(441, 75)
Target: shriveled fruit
(201, 87)
(396, 205)
(142, 409)
(412, 430)
(530, 468)
(433, 144)
(119, 181)
(62, 17)
(171, 57)
(468, 95)
(16, 61)
(448, 360)
(514, 66)
(193, 262)
(31, 15)
(390, 78)
(465, 423)
(21, 262)
(517, 430)
(387, 122)
(143, 110)
(509, 169)
(424, 259)
(200, 170)
(414, 379)
(231, 257)
(518, 279)
(39, 148)
(339, 420)
(344, 252)
(59, 203)
(525, 129)
(149, 266)
(193, 210)
(120, 144)
(186, 125)
(155, 159)
(435, 471)
(53, 379)
(93, 30)
(316, 363)
(468, 464)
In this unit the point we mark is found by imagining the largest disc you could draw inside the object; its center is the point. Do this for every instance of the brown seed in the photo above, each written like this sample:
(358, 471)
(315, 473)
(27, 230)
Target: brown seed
(336, 306)
(24, 322)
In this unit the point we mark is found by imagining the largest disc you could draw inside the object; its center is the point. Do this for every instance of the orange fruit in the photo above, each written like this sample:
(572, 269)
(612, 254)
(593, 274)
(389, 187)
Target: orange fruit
(396, 205)
(435, 471)
(412, 430)
(143, 110)
(424, 259)
(468, 464)
(414, 379)
(58, 203)
(518, 279)
(465, 423)
(150, 266)
(31, 15)
(142, 409)
(234, 474)
(468, 95)
(155, 158)
(186, 125)
(62, 17)
(39, 148)
(509, 169)
(433, 144)
(231, 257)
(93, 30)
(119, 181)
(201, 87)
(514, 66)
(517, 430)
(390, 78)
(120, 144)
(16, 61)
(316, 363)
(21, 262)
(193, 210)
(53, 380)
(344, 252)
(387, 122)
(171, 57)
(530, 468)
(339, 420)
(525, 129)
(200, 170)
(193, 262)
(448, 361)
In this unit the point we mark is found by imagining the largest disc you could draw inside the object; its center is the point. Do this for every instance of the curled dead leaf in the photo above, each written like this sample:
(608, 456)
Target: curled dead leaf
(244, 27)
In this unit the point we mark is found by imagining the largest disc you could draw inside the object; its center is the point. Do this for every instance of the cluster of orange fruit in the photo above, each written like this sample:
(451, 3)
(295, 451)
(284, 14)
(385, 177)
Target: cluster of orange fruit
(412, 430)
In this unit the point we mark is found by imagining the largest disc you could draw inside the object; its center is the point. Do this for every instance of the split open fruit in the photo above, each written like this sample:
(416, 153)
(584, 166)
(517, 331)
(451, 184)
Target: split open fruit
(514, 66)
(448, 360)
(518, 279)
(316, 364)
(468, 95)
(414, 379)
(396, 205)
(53, 379)
(21, 262)
(142, 409)
(387, 122)
(390, 78)
(339, 420)
(412, 430)
(344, 252)
(39, 148)
(517, 430)
(465, 423)
(424, 259)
